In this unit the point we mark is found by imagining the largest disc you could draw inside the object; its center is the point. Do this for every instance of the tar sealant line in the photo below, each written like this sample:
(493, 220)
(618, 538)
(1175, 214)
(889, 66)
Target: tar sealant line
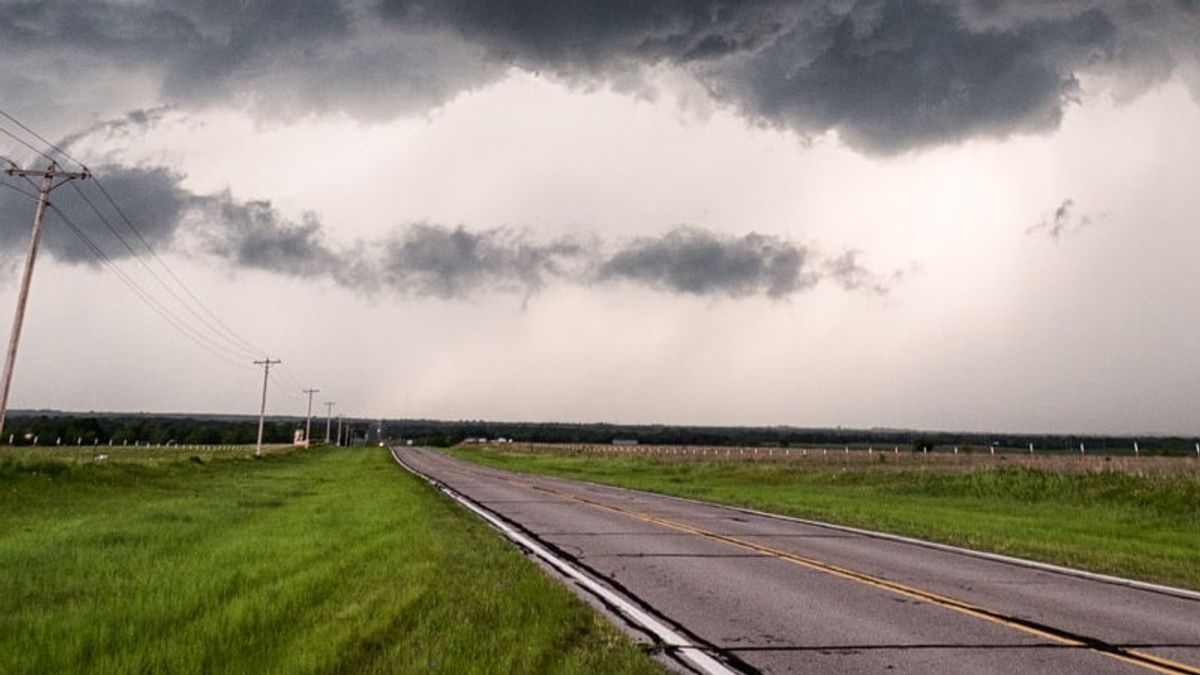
(680, 645)
(996, 557)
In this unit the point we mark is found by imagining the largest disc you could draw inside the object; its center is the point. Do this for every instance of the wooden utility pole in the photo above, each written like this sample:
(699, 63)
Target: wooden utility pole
(51, 178)
(262, 411)
(308, 421)
(328, 418)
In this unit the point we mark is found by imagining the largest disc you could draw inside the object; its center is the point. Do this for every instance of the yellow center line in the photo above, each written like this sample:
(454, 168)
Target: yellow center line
(1138, 658)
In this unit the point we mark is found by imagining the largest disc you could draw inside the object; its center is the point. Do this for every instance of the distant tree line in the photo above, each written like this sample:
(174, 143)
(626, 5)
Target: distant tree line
(445, 433)
(217, 429)
(158, 429)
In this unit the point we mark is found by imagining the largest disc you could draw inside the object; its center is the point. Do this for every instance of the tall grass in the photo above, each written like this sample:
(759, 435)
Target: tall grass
(319, 561)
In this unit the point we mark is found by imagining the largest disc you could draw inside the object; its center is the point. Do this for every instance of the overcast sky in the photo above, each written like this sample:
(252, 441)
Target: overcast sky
(975, 215)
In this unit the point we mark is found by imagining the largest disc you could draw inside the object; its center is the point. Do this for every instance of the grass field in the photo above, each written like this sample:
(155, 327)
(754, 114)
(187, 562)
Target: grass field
(144, 454)
(890, 458)
(317, 561)
(1117, 522)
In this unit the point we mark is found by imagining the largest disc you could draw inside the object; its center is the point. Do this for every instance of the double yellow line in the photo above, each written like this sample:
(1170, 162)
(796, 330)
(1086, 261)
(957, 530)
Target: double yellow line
(1131, 656)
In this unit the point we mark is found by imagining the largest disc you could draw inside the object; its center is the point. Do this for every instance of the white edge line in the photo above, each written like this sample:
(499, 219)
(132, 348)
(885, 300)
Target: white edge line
(997, 557)
(634, 614)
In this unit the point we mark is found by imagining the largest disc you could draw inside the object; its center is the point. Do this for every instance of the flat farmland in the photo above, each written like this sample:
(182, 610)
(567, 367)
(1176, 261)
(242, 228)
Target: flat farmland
(139, 454)
(889, 458)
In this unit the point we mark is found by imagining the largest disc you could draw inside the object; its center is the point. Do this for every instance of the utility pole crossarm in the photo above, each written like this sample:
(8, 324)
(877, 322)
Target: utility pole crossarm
(51, 172)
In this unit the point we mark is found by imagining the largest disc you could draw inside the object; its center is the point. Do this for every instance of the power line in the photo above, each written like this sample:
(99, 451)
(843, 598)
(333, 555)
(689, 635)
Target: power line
(8, 159)
(292, 378)
(13, 164)
(18, 190)
(287, 388)
(163, 310)
(25, 143)
(129, 223)
(231, 343)
(175, 322)
(235, 347)
(222, 329)
(40, 138)
(197, 338)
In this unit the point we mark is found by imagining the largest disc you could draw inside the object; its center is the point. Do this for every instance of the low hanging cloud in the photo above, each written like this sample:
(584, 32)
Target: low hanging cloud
(152, 193)
(254, 235)
(453, 262)
(421, 260)
(693, 261)
(886, 75)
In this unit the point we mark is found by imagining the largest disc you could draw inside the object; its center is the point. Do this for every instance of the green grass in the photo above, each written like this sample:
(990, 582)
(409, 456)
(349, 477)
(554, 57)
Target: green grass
(318, 561)
(143, 454)
(1134, 526)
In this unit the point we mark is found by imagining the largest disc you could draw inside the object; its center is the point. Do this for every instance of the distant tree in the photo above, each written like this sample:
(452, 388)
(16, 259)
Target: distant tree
(922, 443)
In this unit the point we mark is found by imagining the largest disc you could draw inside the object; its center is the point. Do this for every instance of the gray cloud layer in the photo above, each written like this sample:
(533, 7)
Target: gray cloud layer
(422, 260)
(446, 263)
(697, 262)
(888, 75)
(278, 57)
(154, 194)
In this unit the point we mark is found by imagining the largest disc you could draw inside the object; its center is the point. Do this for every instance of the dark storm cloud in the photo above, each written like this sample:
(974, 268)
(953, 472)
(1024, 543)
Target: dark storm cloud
(448, 263)
(249, 234)
(910, 73)
(578, 33)
(278, 57)
(198, 43)
(698, 262)
(887, 75)
(444, 262)
(254, 235)
(153, 194)
(420, 260)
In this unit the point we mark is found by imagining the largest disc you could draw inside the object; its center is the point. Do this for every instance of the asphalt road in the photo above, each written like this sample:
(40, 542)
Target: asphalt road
(775, 596)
